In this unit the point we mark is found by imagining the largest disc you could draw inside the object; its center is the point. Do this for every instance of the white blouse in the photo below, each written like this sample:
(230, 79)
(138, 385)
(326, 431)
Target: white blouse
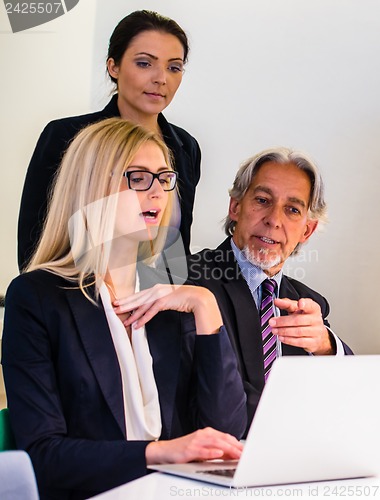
(141, 403)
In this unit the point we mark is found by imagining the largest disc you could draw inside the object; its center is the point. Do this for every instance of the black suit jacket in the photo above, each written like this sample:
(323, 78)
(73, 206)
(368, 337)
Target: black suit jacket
(64, 389)
(218, 271)
(47, 156)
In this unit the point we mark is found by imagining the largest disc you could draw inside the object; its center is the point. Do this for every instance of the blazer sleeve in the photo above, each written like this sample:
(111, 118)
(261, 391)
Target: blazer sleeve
(195, 154)
(41, 171)
(218, 398)
(187, 161)
(60, 461)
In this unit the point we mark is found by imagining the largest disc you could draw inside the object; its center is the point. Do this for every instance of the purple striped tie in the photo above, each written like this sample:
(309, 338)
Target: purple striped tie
(266, 313)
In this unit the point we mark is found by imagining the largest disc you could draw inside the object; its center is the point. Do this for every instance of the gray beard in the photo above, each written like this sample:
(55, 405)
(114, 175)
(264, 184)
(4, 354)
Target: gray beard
(265, 263)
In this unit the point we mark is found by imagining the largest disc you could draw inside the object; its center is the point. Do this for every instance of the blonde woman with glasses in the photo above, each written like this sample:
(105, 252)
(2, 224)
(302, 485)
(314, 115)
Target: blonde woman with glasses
(104, 373)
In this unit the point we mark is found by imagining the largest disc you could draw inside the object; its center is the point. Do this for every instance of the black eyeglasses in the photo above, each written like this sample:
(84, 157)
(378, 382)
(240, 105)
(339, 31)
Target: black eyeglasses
(142, 180)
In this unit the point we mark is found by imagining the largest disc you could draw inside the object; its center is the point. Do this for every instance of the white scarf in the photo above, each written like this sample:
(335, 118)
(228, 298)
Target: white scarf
(140, 395)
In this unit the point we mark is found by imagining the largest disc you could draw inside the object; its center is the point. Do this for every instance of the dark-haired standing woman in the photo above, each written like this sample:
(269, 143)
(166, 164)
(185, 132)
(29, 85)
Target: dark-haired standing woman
(146, 56)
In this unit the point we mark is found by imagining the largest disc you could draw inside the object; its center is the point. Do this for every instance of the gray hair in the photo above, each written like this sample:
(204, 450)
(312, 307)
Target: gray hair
(317, 209)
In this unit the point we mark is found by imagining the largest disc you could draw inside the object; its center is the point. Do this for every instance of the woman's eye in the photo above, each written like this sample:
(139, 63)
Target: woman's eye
(136, 180)
(143, 64)
(175, 68)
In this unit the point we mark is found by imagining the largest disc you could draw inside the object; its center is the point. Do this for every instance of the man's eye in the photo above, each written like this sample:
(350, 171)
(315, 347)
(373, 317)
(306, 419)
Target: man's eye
(294, 210)
(261, 201)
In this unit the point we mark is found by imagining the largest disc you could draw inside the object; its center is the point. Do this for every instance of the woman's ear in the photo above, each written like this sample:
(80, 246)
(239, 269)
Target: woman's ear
(113, 68)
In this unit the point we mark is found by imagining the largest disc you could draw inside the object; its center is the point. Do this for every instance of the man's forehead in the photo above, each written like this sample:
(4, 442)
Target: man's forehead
(286, 179)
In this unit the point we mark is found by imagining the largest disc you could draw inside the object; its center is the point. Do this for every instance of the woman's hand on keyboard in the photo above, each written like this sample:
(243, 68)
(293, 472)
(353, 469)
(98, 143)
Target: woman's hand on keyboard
(203, 444)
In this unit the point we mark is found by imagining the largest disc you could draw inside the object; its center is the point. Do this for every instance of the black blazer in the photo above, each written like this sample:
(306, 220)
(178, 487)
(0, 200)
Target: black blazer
(219, 271)
(64, 390)
(47, 156)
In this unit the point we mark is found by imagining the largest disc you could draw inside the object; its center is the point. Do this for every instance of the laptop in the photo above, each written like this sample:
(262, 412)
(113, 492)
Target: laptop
(318, 419)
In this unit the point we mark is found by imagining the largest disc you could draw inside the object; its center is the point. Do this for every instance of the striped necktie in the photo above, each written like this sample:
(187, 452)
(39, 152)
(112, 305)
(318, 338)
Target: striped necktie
(268, 288)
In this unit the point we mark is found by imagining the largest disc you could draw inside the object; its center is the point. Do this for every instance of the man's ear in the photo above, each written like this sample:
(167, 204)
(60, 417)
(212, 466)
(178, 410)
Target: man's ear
(234, 209)
(112, 68)
(311, 226)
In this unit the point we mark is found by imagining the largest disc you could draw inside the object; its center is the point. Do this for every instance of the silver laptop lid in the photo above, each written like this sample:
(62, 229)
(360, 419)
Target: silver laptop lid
(318, 419)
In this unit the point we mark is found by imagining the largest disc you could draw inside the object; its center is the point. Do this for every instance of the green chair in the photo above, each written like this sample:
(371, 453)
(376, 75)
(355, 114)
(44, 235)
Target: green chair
(7, 441)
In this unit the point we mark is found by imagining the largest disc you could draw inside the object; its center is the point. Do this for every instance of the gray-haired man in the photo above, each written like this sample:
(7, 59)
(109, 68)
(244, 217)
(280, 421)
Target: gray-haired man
(276, 204)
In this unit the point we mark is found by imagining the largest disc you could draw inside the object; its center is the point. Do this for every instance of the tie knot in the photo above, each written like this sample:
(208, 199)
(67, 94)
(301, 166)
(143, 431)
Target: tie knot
(268, 287)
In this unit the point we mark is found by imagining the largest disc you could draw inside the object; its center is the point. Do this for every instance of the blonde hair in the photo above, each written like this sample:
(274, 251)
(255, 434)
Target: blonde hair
(73, 241)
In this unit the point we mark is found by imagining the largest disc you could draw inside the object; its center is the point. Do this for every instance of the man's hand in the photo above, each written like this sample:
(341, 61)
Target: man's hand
(302, 327)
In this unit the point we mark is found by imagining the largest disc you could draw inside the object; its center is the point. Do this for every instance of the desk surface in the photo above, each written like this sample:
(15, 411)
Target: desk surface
(159, 486)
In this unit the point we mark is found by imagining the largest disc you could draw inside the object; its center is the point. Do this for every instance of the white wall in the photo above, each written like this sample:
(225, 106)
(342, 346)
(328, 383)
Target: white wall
(279, 72)
(45, 74)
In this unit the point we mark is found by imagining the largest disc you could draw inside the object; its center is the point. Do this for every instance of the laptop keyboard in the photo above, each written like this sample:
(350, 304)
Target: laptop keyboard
(219, 472)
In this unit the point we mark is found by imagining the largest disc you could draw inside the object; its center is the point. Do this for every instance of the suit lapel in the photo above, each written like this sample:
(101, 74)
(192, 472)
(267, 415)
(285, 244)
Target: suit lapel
(247, 318)
(165, 347)
(247, 324)
(163, 332)
(287, 290)
(97, 341)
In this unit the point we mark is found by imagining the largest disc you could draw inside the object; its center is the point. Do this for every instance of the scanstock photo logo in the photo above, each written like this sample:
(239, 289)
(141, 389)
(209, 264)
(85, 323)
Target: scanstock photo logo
(25, 15)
